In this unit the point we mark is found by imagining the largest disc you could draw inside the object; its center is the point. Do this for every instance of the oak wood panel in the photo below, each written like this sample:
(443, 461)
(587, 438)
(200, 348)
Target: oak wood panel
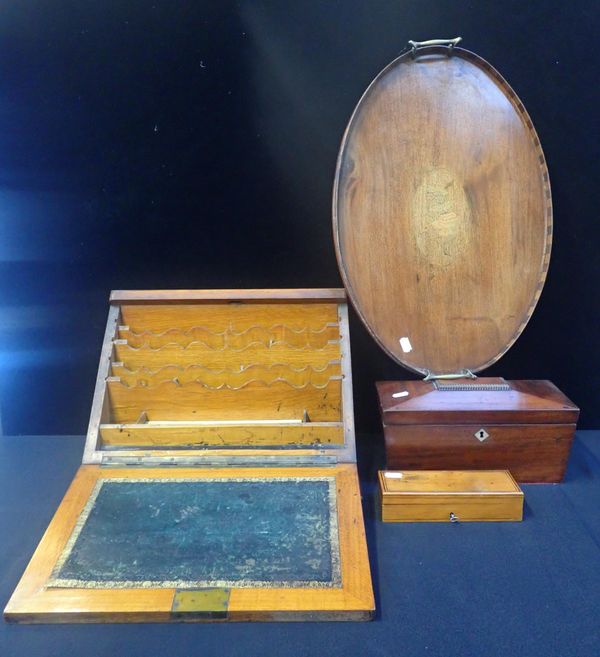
(32, 602)
(532, 452)
(163, 435)
(200, 354)
(304, 338)
(168, 401)
(232, 378)
(275, 295)
(442, 212)
(537, 401)
(227, 316)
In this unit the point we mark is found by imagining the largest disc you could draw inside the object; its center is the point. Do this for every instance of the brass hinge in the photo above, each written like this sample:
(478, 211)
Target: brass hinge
(128, 461)
(200, 604)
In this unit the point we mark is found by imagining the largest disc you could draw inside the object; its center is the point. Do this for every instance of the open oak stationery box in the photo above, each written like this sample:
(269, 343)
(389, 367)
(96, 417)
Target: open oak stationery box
(442, 217)
(218, 478)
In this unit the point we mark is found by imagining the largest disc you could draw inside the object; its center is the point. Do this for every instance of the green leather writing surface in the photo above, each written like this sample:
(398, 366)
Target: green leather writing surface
(191, 533)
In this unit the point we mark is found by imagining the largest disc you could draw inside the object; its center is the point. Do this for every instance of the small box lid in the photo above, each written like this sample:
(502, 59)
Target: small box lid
(395, 483)
(514, 402)
(424, 495)
(442, 211)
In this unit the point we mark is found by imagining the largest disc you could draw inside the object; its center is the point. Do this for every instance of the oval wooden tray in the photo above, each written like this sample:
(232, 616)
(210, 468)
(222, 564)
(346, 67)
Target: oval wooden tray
(442, 212)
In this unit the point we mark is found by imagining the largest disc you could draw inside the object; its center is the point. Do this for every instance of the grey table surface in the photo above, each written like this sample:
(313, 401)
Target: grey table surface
(471, 589)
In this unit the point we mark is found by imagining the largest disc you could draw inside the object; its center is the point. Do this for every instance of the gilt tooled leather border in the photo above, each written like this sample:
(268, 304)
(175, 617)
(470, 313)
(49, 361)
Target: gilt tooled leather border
(56, 581)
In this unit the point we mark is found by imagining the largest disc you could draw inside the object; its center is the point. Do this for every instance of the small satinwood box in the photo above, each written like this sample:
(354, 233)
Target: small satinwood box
(219, 478)
(449, 496)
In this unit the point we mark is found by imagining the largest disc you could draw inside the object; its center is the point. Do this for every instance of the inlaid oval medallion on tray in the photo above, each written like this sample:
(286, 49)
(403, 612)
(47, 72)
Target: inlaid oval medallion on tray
(442, 211)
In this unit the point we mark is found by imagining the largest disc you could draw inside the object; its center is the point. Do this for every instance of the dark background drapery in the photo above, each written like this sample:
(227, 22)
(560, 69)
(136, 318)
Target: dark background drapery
(178, 145)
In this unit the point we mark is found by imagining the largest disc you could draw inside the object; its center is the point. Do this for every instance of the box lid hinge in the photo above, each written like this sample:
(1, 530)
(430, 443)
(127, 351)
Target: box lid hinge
(483, 385)
(217, 461)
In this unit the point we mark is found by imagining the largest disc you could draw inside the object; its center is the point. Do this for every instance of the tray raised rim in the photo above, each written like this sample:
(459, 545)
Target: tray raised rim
(543, 168)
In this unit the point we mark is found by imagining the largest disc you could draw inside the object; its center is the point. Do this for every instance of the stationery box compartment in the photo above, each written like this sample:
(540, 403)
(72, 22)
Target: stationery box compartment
(218, 478)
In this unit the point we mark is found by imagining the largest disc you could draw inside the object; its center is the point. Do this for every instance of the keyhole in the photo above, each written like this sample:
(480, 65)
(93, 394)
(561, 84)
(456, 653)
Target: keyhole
(481, 434)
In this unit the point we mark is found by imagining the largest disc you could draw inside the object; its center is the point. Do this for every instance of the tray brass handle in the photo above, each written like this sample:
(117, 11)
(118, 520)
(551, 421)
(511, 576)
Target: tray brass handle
(463, 374)
(449, 43)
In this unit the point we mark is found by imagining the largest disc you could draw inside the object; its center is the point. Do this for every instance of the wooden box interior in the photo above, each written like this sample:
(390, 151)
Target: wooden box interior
(218, 378)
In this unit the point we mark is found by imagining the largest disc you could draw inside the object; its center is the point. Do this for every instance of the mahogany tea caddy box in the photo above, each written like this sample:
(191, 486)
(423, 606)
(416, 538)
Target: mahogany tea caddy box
(442, 216)
(219, 474)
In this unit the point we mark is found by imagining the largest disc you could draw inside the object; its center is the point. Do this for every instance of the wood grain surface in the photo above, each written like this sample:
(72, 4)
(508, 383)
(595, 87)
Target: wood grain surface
(228, 359)
(535, 401)
(168, 401)
(165, 434)
(442, 212)
(444, 482)
(161, 317)
(232, 378)
(534, 453)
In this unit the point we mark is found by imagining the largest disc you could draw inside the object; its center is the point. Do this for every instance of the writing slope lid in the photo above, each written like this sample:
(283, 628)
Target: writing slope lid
(442, 211)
